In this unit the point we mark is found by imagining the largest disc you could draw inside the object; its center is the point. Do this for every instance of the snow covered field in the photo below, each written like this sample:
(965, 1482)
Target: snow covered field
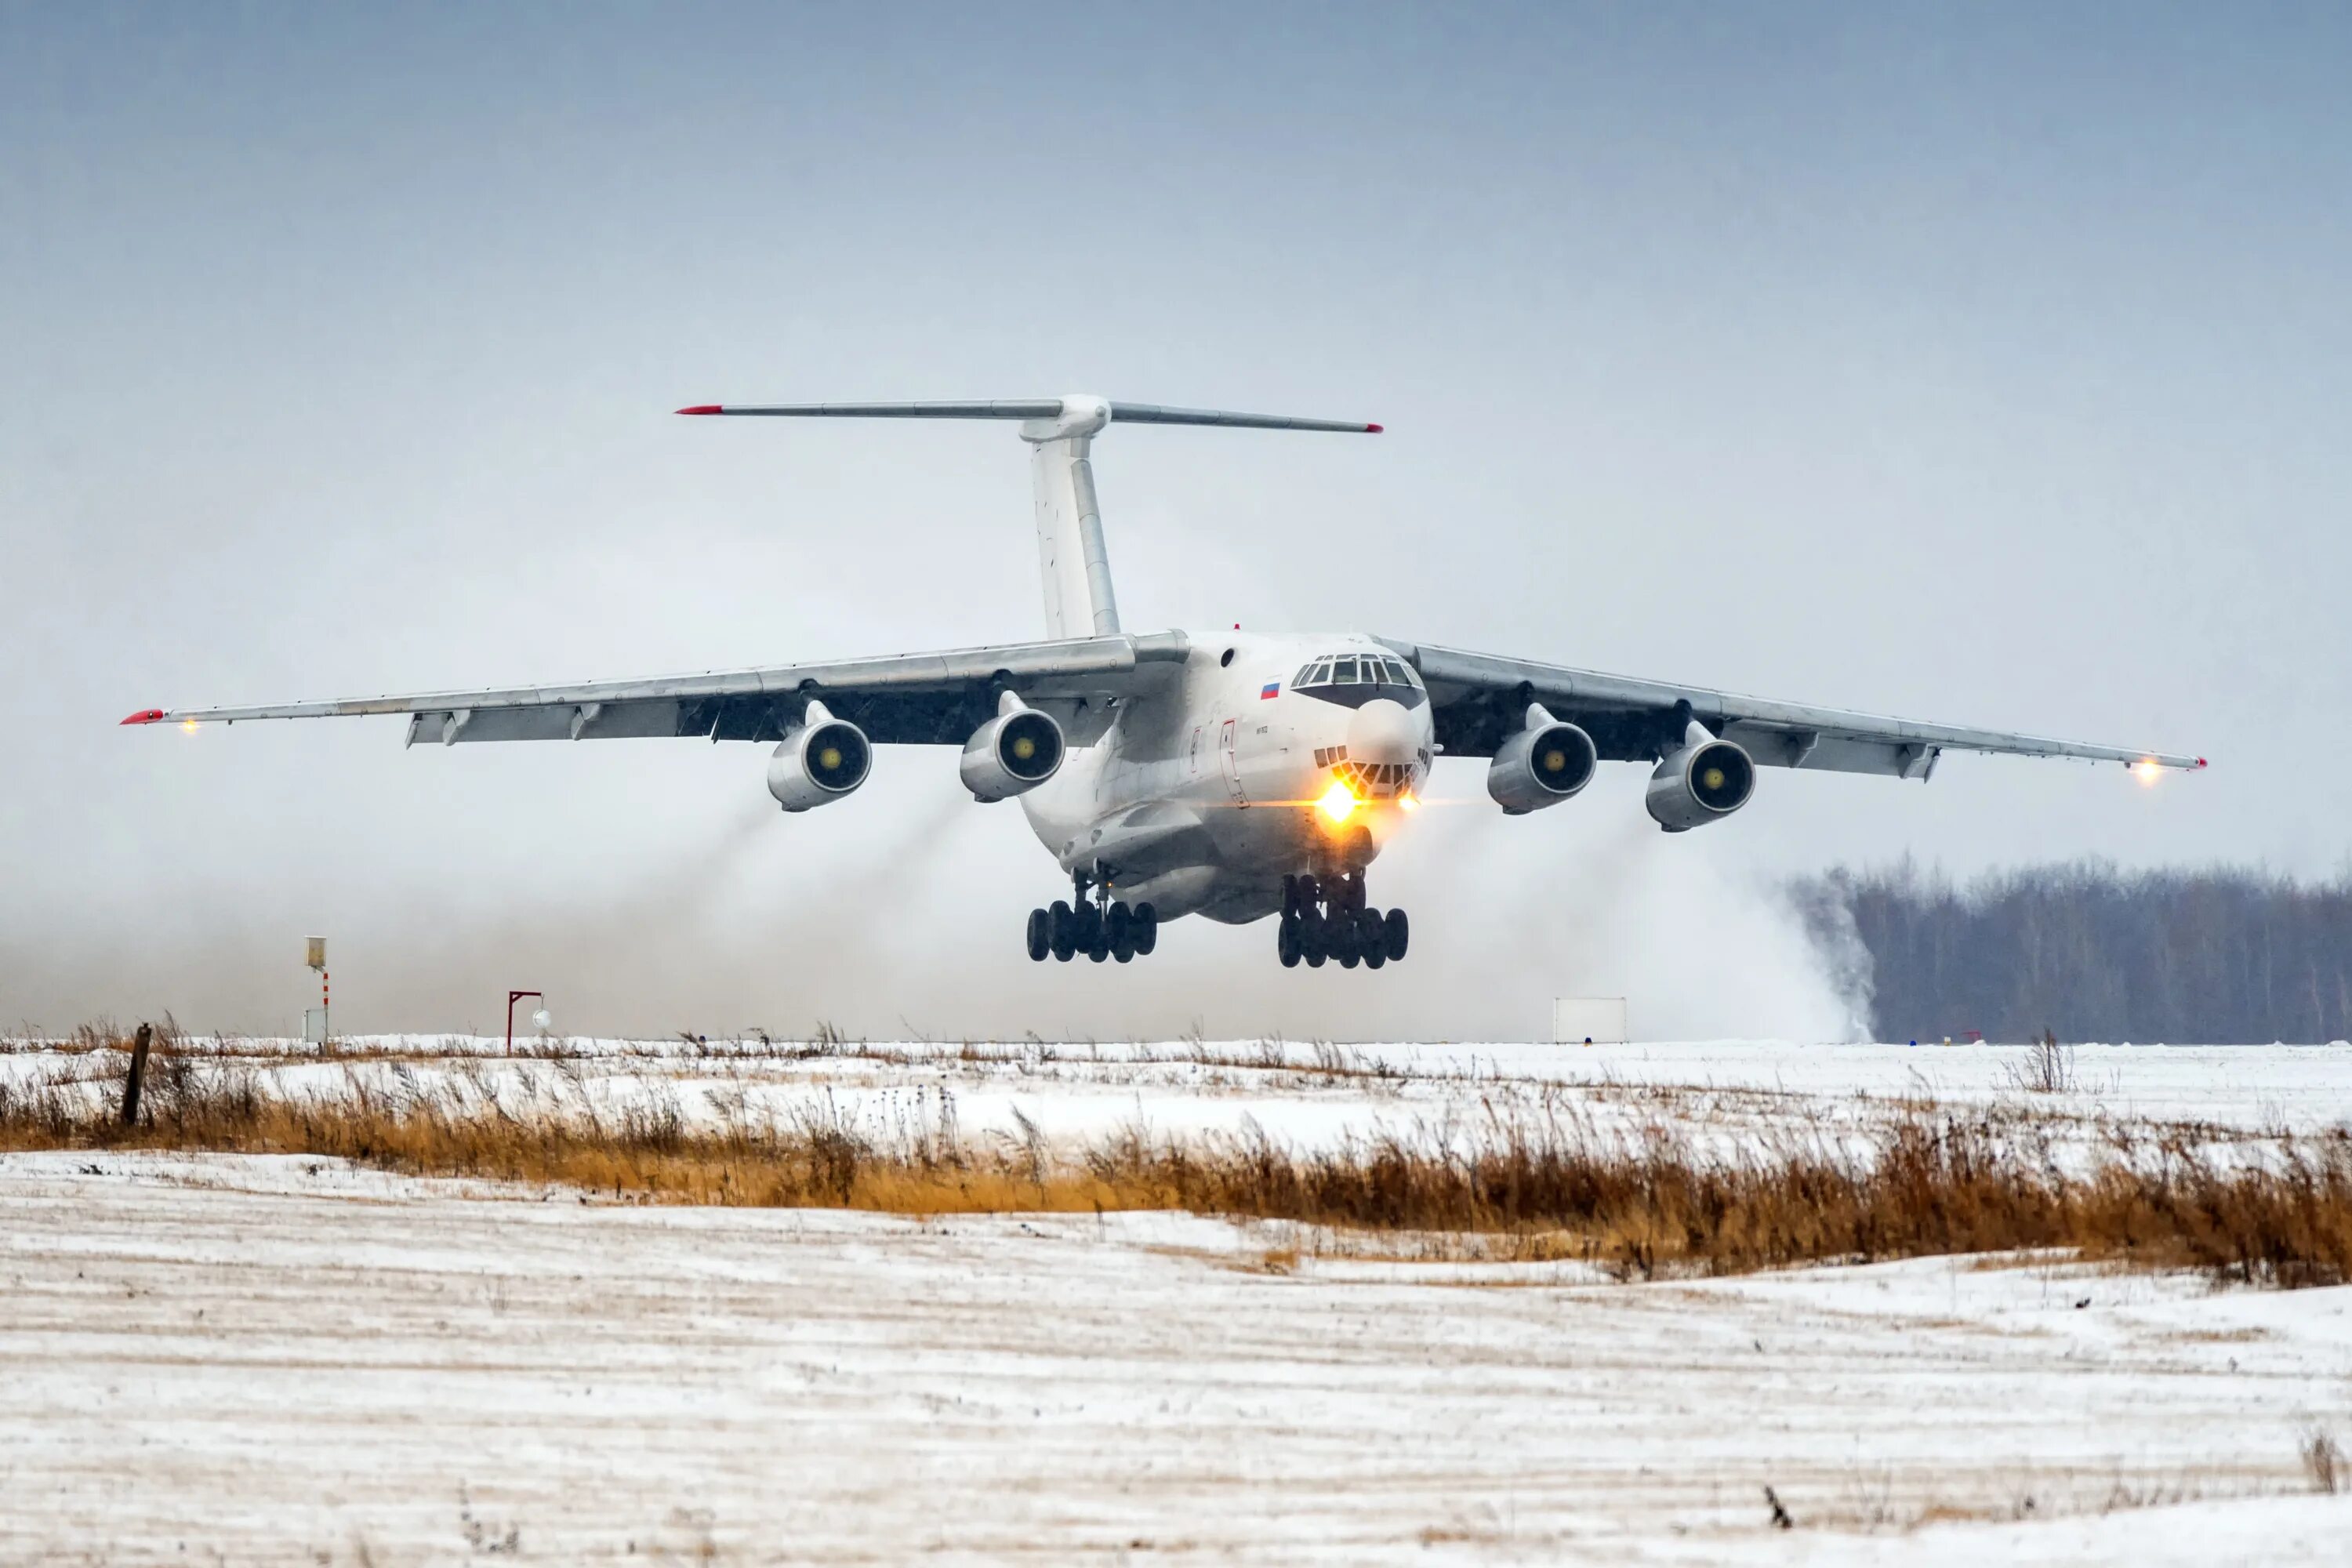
(288, 1360)
(1305, 1094)
(276, 1360)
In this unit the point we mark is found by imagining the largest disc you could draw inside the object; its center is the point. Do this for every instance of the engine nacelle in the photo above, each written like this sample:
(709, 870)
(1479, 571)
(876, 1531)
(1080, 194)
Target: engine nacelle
(819, 762)
(1703, 782)
(1543, 763)
(1012, 754)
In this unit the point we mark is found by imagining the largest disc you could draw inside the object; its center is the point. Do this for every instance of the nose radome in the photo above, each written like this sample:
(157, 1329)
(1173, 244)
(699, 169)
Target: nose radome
(1384, 731)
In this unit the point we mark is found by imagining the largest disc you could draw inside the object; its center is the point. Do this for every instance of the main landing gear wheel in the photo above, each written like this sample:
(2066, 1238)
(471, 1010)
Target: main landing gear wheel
(1328, 918)
(1097, 927)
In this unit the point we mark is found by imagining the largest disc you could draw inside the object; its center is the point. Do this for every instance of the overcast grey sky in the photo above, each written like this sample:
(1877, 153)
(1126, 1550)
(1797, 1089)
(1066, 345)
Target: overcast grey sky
(1988, 364)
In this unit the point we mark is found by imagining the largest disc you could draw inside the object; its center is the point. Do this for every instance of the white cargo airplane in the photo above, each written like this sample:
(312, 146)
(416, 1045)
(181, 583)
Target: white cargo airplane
(1222, 775)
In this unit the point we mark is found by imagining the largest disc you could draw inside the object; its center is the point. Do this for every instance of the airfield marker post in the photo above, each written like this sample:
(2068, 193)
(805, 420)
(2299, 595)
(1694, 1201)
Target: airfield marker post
(513, 997)
(138, 1072)
(314, 956)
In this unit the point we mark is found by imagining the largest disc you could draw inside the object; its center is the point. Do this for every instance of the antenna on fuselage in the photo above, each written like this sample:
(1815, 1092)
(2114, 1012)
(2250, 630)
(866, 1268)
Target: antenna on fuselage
(1060, 431)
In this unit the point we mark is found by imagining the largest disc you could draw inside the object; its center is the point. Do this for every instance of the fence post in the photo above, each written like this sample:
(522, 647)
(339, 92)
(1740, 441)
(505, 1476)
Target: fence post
(138, 1071)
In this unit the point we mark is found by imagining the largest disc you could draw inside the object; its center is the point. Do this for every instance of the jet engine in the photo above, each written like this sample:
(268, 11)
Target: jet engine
(1705, 781)
(819, 761)
(1543, 763)
(1012, 754)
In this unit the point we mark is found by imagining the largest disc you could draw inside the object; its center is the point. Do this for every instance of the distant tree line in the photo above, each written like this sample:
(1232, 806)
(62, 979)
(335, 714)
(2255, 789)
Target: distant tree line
(2217, 956)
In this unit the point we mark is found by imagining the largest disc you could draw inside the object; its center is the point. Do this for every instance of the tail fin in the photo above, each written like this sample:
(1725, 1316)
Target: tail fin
(1072, 562)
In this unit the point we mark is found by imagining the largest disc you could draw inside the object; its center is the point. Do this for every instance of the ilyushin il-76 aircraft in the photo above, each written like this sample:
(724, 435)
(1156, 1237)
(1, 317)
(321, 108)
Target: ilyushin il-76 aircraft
(1217, 773)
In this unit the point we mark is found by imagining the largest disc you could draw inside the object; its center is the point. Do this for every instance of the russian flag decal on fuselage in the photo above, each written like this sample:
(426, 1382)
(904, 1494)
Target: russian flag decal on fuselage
(1272, 689)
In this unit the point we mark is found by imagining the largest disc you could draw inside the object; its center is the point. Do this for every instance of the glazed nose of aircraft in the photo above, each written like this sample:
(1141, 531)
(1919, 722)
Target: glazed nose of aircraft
(1385, 731)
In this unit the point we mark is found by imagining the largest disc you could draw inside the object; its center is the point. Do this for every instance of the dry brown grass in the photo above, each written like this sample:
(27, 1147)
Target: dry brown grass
(1545, 1183)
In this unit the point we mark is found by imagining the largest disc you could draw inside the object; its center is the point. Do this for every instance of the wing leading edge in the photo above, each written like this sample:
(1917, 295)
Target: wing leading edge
(902, 699)
(1478, 699)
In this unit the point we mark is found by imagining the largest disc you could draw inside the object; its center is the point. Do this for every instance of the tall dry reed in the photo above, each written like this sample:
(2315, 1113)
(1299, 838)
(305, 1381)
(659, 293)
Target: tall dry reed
(1548, 1182)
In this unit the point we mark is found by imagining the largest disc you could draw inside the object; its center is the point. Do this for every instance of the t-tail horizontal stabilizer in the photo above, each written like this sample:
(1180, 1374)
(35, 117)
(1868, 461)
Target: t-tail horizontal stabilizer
(1072, 562)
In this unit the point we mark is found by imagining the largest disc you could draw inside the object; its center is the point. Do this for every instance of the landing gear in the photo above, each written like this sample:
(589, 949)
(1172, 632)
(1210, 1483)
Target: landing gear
(1099, 928)
(1325, 918)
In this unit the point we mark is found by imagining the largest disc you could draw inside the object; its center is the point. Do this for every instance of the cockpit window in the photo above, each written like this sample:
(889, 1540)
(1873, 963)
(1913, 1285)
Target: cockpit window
(1350, 669)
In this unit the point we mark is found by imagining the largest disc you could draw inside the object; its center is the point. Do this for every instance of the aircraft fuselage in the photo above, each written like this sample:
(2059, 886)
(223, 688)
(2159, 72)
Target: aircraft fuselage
(1206, 790)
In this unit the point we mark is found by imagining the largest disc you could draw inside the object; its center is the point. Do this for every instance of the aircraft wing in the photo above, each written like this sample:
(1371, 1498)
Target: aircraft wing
(913, 698)
(1480, 699)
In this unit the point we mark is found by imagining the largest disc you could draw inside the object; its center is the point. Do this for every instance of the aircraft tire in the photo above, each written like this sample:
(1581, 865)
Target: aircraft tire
(1147, 929)
(1041, 935)
(1286, 941)
(1344, 937)
(1398, 932)
(1371, 938)
(1062, 923)
(1311, 946)
(1118, 932)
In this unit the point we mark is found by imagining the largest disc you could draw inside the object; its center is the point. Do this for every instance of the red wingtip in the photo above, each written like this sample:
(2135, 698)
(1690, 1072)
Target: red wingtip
(146, 716)
(2201, 762)
(1374, 429)
(704, 408)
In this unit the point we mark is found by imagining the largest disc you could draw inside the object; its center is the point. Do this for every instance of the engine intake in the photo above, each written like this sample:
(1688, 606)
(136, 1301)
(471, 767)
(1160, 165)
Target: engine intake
(819, 762)
(1012, 754)
(1543, 763)
(1703, 782)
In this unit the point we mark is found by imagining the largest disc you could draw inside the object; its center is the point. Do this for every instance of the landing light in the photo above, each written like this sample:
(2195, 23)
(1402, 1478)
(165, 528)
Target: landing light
(1338, 803)
(2148, 772)
(1408, 800)
(189, 725)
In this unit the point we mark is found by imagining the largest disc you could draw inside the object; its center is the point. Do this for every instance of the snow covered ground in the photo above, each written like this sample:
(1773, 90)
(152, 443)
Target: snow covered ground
(1305, 1094)
(278, 1360)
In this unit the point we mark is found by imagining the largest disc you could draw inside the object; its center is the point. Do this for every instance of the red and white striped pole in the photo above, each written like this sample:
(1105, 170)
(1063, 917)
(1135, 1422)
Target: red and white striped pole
(326, 1031)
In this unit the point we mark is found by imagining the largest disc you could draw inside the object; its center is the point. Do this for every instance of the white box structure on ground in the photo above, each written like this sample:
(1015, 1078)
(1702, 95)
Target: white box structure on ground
(1588, 1020)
